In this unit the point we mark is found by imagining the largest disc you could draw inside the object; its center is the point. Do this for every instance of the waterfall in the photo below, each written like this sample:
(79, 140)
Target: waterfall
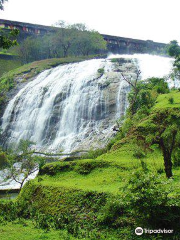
(74, 106)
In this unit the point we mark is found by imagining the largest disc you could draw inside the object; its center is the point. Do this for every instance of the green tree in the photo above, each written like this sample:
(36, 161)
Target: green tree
(163, 128)
(30, 50)
(89, 42)
(27, 163)
(7, 40)
(173, 49)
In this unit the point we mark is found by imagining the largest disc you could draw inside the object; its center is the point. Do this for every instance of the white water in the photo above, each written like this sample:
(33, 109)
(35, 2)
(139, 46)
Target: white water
(65, 106)
(150, 65)
(8, 183)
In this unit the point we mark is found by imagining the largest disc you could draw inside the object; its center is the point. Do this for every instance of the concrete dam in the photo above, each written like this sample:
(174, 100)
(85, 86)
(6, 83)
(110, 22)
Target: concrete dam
(115, 44)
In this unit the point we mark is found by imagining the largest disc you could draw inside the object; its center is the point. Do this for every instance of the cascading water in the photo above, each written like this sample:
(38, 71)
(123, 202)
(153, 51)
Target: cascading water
(74, 106)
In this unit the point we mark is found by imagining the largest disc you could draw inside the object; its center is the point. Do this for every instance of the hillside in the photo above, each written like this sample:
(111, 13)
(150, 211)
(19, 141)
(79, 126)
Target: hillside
(91, 198)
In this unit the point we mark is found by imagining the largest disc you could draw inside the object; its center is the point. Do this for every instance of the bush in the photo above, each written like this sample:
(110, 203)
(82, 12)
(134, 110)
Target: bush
(111, 212)
(3, 159)
(148, 195)
(92, 154)
(87, 167)
(138, 153)
(101, 70)
(176, 158)
(171, 100)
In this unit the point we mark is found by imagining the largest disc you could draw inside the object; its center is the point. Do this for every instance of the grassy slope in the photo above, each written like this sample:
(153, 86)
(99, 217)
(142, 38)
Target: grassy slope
(38, 66)
(163, 100)
(27, 231)
(7, 65)
(110, 178)
(121, 163)
(72, 187)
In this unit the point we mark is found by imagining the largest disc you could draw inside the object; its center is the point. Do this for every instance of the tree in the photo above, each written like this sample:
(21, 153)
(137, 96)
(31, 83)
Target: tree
(2, 3)
(135, 90)
(163, 128)
(7, 40)
(77, 39)
(30, 50)
(89, 42)
(173, 49)
(22, 164)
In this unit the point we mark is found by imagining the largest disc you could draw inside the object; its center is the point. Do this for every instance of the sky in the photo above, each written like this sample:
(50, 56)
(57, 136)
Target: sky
(156, 20)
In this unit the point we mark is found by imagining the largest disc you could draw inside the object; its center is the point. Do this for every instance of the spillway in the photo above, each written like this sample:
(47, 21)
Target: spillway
(75, 106)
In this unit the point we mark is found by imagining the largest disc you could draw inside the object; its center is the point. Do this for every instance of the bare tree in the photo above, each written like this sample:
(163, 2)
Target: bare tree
(134, 84)
(22, 164)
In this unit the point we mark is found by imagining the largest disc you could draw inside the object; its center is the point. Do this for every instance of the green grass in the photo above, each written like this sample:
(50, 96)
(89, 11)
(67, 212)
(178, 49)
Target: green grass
(7, 65)
(111, 177)
(26, 231)
(163, 100)
(32, 69)
(80, 190)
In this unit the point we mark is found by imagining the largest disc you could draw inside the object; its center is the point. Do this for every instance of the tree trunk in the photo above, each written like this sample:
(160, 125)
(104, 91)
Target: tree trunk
(167, 159)
(168, 165)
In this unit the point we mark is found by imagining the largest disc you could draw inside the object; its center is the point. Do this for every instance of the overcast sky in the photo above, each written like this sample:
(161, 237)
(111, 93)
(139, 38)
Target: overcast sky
(157, 20)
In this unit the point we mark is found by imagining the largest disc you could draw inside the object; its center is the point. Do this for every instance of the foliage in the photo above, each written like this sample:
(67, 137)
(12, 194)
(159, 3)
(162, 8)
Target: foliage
(149, 198)
(21, 164)
(101, 70)
(176, 158)
(67, 40)
(2, 3)
(3, 159)
(171, 100)
(162, 128)
(145, 93)
(173, 49)
(138, 153)
(7, 64)
(25, 229)
(8, 40)
(92, 154)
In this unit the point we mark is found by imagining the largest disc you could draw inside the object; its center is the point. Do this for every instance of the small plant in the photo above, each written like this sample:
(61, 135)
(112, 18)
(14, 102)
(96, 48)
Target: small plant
(171, 100)
(101, 70)
(92, 154)
(139, 154)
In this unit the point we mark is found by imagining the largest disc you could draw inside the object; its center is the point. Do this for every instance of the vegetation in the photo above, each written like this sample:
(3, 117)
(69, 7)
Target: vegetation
(173, 49)
(67, 40)
(108, 192)
(1, 4)
(7, 39)
(8, 64)
(27, 163)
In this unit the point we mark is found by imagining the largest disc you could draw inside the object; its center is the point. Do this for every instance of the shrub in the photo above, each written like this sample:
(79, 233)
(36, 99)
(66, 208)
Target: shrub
(171, 100)
(111, 212)
(101, 70)
(148, 195)
(3, 159)
(138, 153)
(92, 154)
(176, 158)
(87, 167)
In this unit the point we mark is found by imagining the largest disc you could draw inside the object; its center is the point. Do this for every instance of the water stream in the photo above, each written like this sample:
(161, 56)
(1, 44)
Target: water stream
(74, 106)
